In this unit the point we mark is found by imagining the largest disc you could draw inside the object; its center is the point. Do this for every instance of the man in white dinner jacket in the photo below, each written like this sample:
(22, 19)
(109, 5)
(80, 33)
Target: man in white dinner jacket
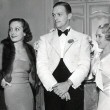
(63, 62)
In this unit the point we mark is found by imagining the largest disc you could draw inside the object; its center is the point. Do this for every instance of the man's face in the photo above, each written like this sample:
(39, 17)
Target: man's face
(61, 17)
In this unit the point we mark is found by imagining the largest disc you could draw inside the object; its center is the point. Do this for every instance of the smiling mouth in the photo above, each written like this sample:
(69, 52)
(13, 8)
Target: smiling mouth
(57, 21)
(13, 36)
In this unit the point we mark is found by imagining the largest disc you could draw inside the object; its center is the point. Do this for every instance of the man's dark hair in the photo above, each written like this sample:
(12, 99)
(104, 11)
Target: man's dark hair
(65, 4)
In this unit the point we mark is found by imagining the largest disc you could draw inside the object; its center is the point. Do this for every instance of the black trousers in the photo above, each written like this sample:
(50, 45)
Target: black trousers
(54, 102)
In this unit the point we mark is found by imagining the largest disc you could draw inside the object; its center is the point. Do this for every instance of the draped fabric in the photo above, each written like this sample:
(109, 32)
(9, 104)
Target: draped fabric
(96, 69)
(101, 69)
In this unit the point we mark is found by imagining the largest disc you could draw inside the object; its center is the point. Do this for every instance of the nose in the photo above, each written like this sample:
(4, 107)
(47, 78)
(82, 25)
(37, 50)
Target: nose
(97, 38)
(11, 32)
(55, 17)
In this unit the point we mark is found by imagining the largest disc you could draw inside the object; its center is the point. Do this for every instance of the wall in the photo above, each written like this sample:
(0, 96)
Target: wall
(31, 10)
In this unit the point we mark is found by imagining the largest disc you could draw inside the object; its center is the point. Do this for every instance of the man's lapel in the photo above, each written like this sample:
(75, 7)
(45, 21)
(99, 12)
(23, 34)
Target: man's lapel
(71, 40)
(55, 43)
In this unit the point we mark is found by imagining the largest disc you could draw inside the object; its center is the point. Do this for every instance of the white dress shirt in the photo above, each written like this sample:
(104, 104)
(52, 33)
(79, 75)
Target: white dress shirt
(63, 39)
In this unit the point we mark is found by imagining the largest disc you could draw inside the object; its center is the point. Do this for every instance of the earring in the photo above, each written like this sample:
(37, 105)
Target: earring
(24, 34)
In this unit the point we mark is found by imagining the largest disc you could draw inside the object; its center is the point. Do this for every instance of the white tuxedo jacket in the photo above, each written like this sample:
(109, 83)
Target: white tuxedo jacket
(76, 57)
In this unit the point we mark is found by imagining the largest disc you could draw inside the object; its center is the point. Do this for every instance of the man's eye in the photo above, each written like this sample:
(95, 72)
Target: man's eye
(10, 29)
(98, 36)
(17, 29)
(53, 15)
(59, 14)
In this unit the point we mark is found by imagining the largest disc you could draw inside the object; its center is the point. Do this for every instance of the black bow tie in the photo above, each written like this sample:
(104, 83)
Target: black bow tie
(65, 32)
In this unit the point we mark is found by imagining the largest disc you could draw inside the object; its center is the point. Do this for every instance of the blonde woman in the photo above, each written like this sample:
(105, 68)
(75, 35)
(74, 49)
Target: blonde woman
(101, 66)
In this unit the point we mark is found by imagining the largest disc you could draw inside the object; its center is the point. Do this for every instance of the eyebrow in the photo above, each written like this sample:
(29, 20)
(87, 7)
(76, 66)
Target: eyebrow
(58, 12)
(17, 27)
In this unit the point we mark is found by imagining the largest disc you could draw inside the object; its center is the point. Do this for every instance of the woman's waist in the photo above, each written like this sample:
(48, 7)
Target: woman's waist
(20, 77)
(20, 74)
(19, 80)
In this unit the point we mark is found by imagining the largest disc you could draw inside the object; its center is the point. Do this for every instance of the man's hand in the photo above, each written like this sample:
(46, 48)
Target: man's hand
(61, 89)
(66, 96)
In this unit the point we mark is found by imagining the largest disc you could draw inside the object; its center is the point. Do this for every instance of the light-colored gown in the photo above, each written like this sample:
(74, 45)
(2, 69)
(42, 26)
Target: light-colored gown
(19, 95)
(101, 68)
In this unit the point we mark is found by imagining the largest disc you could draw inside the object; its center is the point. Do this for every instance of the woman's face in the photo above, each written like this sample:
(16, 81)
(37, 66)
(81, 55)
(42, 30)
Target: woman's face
(16, 31)
(101, 40)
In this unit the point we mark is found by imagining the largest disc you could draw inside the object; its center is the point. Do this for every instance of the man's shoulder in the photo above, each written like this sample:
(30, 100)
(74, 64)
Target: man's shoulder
(80, 35)
(49, 34)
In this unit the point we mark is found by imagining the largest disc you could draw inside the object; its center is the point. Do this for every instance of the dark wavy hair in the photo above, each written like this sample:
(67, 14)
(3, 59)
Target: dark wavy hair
(26, 28)
(9, 49)
(65, 4)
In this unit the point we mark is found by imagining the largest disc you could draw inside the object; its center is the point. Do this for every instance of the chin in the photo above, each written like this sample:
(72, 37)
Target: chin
(58, 26)
(15, 41)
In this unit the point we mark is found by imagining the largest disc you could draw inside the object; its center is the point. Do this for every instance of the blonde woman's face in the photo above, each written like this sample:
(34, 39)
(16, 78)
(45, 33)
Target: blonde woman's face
(101, 40)
(16, 31)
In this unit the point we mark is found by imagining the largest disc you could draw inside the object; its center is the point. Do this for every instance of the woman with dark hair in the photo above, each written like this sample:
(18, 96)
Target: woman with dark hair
(18, 71)
(101, 65)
